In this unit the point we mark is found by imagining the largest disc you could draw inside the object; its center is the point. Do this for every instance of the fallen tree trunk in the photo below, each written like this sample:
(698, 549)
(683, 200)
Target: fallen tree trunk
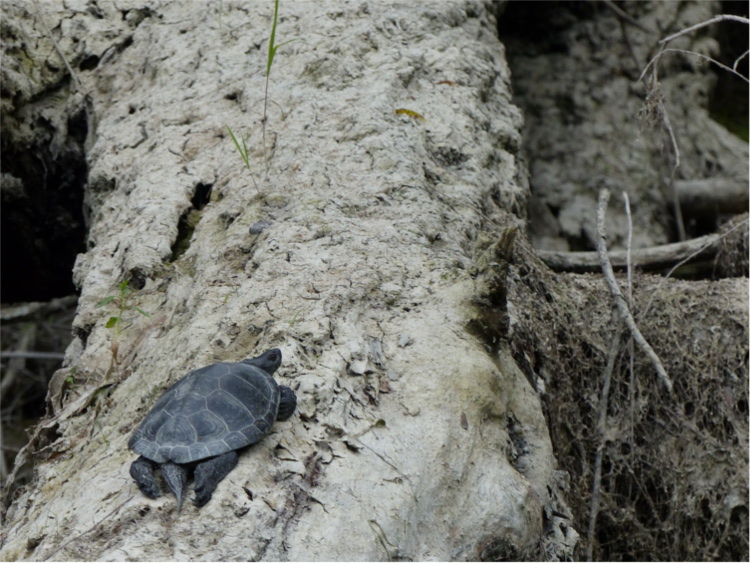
(347, 245)
(375, 234)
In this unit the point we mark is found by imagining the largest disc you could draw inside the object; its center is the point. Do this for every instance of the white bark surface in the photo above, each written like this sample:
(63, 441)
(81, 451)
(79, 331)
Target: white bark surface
(400, 447)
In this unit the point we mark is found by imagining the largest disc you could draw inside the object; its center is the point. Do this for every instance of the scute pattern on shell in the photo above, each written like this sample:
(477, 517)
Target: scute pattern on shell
(211, 411)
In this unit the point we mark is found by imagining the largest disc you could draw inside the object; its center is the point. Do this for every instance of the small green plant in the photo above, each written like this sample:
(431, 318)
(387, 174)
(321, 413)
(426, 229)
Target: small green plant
(241, 149)
(116, 322)
(71, 380)
(272, 48)
(294, 318)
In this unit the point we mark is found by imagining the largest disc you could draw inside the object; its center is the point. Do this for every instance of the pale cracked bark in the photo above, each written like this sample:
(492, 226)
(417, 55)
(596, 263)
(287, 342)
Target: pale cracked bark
(401, 446)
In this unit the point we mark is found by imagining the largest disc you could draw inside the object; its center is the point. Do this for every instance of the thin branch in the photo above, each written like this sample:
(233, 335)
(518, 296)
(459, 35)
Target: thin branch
(709, 59)
(57, 46)
(614, 348)
(665, 117)
(720, 17)
(91, 529)
(655, 101)
(31, 355)
(742, 56)
(609, 275)
(631, 349)
(672, 188)
(688, 258)
(630, 247)
(623, 15)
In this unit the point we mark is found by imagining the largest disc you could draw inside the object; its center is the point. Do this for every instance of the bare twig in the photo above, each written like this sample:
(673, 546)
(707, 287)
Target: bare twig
(688, 258)
(91, 529)
(623, 15)
(653, 93)
(73, 75)
(630, 246)
(720, 17)
(631, 351)
(3, 449)
(614, 288)
(614, 348)
(709, 59)
(742, 56)
(33, 355)
(666, 40)
(17, 364)
(36, 310)
(656, 110)
(672, 188)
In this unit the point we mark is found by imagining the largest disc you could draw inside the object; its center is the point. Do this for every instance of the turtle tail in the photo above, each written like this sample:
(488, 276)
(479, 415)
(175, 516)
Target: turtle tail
(176, 477)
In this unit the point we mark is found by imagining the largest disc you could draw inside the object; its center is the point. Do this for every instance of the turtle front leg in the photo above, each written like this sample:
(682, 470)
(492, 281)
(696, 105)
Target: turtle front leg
(142, 470)
(209, 474)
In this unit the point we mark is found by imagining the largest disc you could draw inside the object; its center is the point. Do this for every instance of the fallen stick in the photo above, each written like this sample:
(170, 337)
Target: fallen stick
(648, 259)
(713, 195)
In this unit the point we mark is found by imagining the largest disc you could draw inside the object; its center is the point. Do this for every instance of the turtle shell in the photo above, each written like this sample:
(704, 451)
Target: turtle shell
(210, 411)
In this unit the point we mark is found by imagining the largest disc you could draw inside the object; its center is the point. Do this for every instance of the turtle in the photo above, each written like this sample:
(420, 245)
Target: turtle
(201, 422)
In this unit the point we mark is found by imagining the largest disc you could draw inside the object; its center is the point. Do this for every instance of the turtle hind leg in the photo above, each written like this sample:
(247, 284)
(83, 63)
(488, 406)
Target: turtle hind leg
(142, 470)
(176, 477)
(209, 473)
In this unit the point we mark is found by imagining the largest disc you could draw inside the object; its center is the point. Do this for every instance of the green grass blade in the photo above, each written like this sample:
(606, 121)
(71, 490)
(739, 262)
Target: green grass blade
(241, 149)
(271, 47)
(104, 301)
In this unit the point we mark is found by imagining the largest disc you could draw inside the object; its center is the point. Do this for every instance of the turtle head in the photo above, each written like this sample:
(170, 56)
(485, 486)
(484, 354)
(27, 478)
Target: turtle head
(267, 361)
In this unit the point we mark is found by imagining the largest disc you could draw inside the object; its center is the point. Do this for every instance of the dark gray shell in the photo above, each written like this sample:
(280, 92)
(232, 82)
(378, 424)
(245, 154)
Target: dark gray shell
(211, 411)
